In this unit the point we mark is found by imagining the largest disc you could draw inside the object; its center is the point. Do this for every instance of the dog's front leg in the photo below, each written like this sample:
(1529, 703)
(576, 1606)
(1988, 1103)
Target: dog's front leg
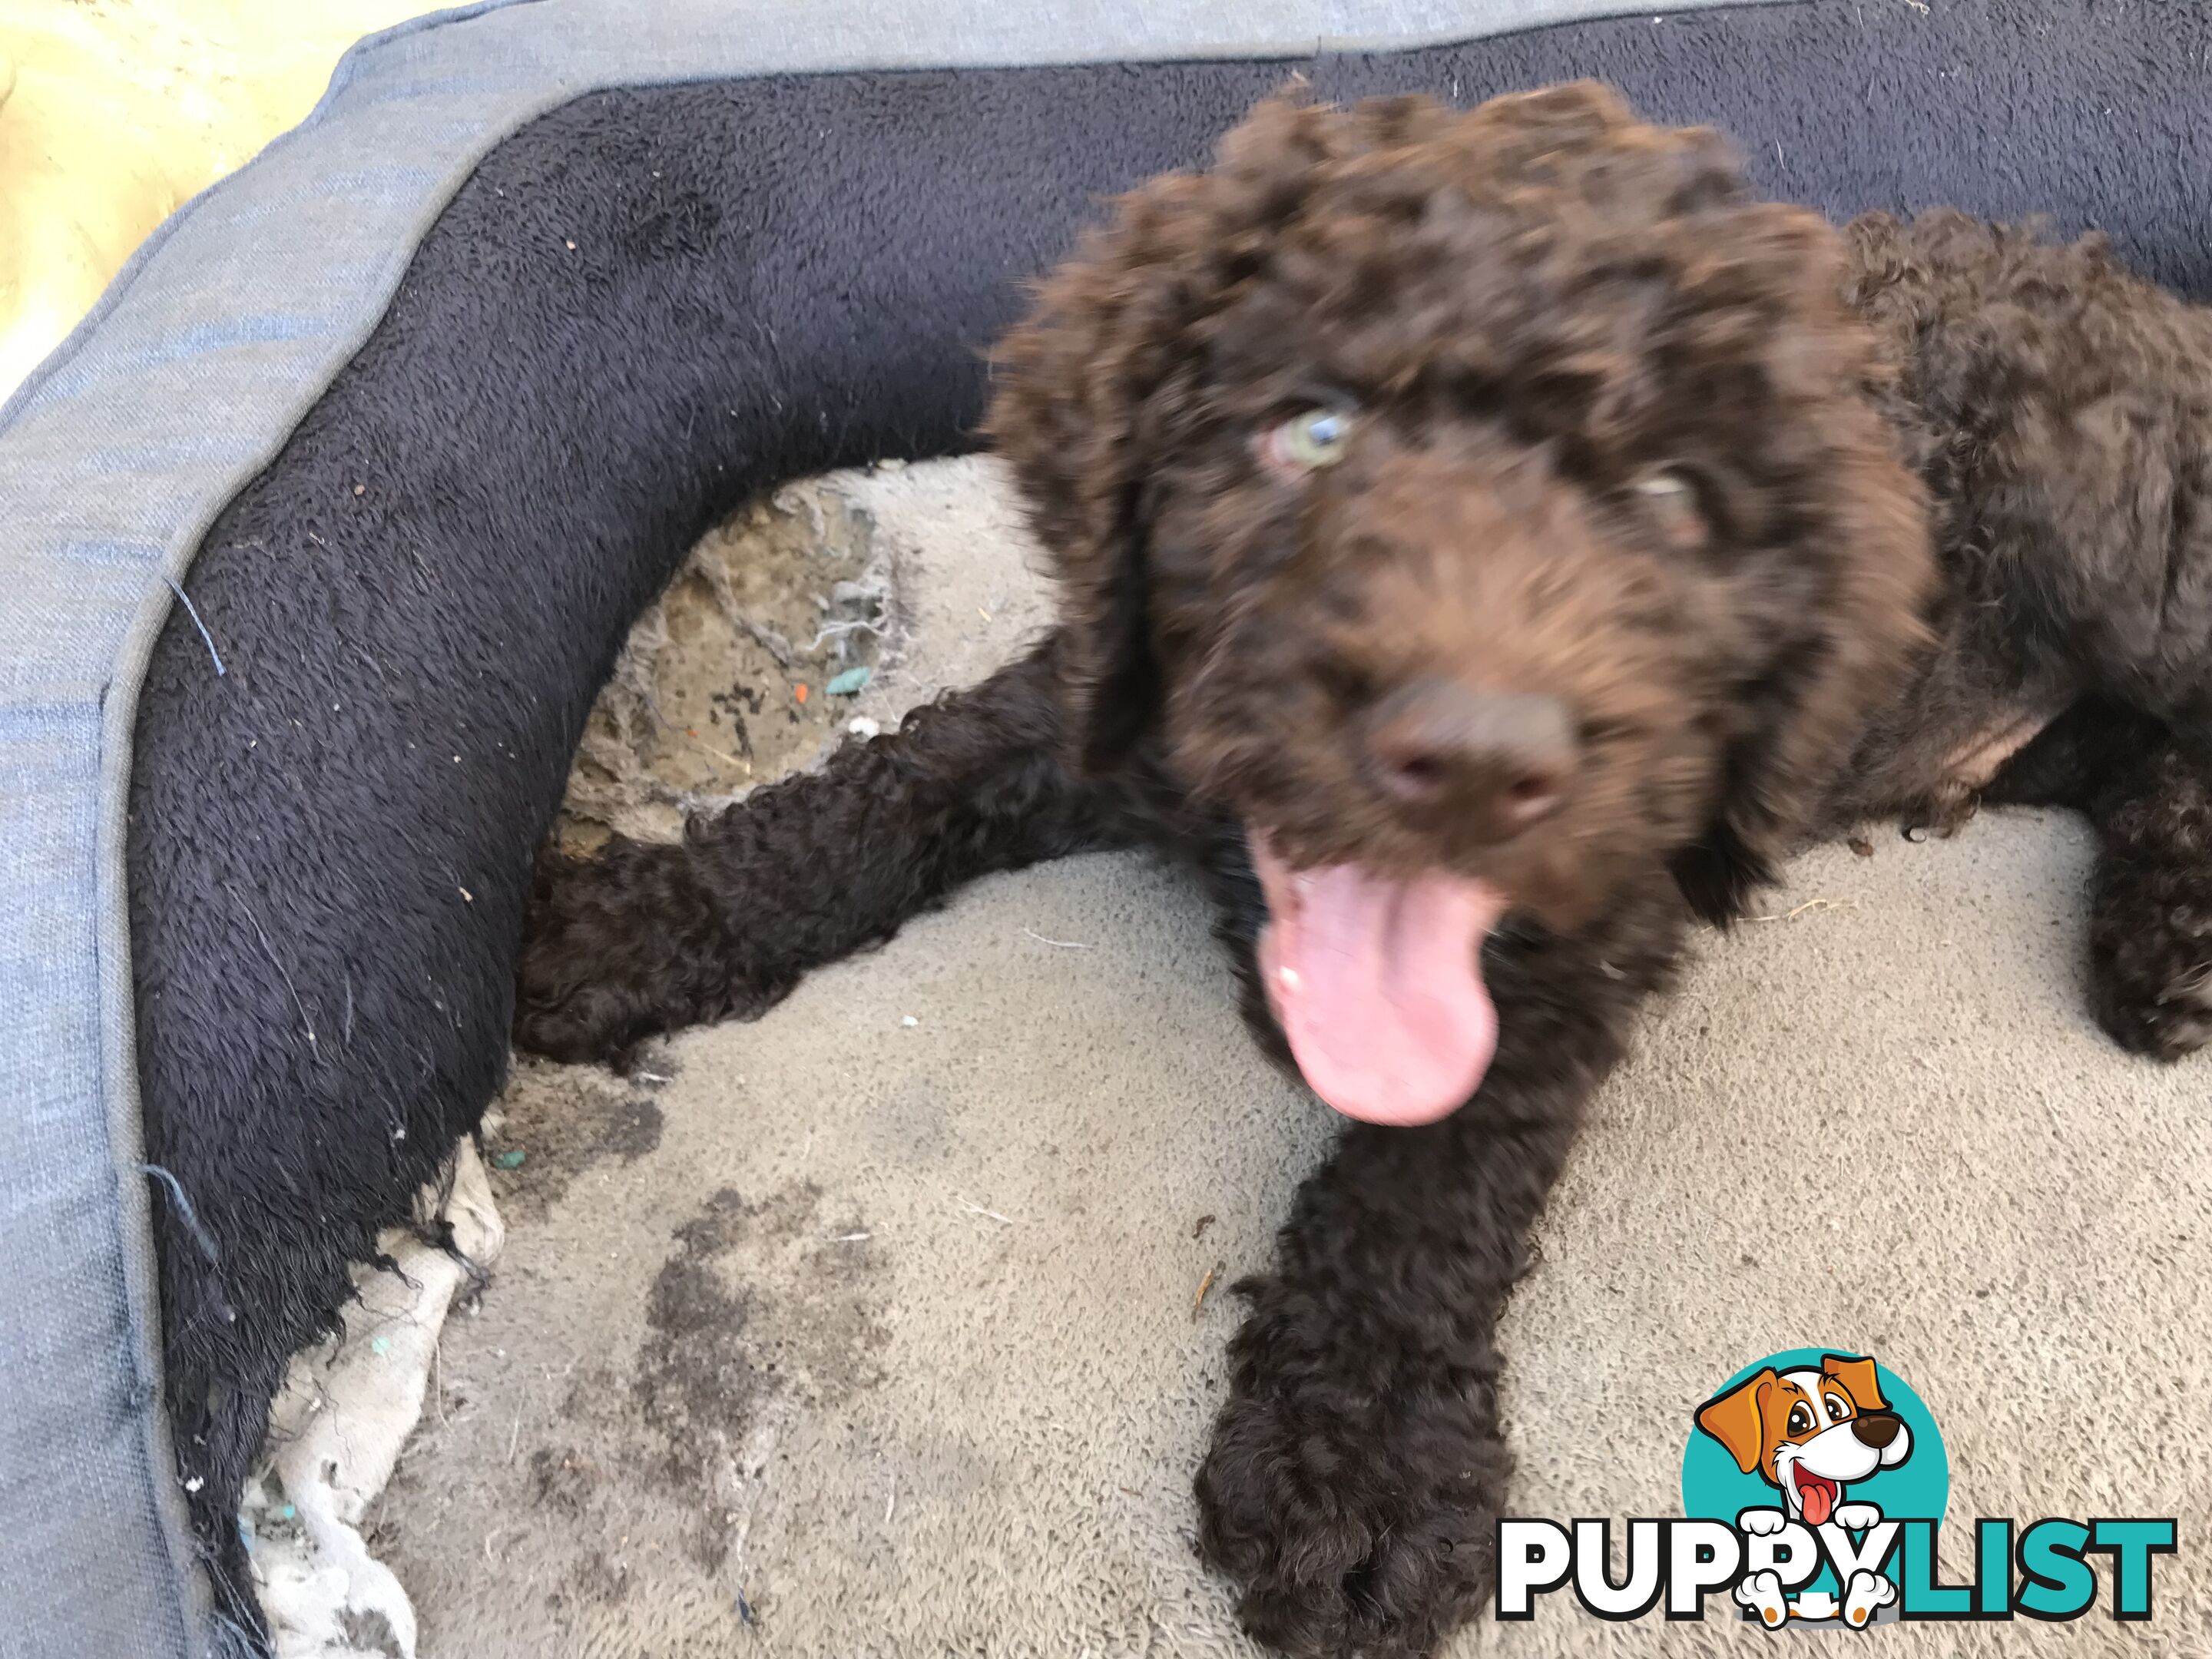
(647, 938)
(1357, 1470)
(2150, 918)
(2149, 791)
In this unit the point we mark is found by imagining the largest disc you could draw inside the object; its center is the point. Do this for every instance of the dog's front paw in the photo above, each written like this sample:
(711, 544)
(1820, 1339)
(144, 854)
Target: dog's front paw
(2150, 921)
(1349, 1531)
(1762, 1592)
(1867, 1592)
(1761, 1524)
(1856, 1518)
(2153, 979)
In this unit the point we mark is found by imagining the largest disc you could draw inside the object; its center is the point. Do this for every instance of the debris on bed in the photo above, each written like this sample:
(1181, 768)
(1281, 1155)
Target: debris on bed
(1058, 943)
(716, 690)
(1847, 903)
(1198, 1301)
(558, 1123)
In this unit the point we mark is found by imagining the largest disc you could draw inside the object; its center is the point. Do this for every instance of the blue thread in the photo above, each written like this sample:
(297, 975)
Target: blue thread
(185, 601)
(184, 1211)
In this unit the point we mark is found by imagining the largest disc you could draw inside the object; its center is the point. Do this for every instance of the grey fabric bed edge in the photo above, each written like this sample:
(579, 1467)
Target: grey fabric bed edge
(210, 391)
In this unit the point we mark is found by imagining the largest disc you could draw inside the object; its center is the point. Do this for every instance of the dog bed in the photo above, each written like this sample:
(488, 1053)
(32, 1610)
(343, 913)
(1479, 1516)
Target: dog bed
(327, 524)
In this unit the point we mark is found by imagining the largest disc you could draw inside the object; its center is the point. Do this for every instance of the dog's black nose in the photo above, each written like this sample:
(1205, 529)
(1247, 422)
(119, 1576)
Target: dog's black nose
(1877, 1429)
(1499, 760)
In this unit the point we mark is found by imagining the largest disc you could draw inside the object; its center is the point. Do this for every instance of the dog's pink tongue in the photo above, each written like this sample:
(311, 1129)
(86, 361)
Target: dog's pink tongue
(1818, 1498)
(1378, 986)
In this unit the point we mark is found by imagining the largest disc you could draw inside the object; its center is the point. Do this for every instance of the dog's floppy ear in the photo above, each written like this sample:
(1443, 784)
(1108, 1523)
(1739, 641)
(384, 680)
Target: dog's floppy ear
(1844, 599)
(1859, 1380)
(1072, 413)
(1734, 1419)
(1815, 705)
(1096, 380)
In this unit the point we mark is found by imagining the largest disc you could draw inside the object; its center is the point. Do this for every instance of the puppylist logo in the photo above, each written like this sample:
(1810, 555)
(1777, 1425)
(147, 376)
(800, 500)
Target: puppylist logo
(1814, 1487)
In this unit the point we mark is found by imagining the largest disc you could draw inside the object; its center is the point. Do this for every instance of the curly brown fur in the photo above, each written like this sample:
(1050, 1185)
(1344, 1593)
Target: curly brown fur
(2150, 905)
(1685, 526)
(803, 875)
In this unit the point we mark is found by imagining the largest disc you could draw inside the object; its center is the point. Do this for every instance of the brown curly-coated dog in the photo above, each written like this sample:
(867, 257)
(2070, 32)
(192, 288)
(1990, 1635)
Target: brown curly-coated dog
(1488, 541)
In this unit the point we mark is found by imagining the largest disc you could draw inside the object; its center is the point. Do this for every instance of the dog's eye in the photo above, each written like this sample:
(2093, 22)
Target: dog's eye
(1800, 1419)
(1671, 499)
(1312, 438)
(1837, 1410)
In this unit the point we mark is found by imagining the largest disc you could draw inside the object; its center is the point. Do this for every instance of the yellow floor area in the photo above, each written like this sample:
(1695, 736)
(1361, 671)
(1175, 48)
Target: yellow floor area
(113, 112)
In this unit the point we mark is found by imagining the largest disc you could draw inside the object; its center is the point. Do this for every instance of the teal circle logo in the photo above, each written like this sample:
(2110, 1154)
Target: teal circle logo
(1814, 1436)
(1815, 1486)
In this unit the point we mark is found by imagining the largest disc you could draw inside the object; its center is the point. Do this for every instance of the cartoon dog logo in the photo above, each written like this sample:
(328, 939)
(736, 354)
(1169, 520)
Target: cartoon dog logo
(1809, 1434)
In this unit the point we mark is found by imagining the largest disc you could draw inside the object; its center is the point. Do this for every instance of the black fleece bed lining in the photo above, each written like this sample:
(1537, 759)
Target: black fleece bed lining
(647, 306)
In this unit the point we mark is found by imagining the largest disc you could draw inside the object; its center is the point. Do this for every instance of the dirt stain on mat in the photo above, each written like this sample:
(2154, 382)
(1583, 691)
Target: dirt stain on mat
(726, 681)
(600, 1580)
(559, 1121)
(717, 1348)
(370, 1633)
(765, 1311)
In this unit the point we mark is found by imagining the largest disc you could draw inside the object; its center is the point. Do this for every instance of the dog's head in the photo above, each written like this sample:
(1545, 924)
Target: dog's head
(1809, 1432)
(1489, 508)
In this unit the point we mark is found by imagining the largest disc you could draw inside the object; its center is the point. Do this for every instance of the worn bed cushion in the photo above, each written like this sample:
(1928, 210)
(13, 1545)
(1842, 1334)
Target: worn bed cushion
(414, 517)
